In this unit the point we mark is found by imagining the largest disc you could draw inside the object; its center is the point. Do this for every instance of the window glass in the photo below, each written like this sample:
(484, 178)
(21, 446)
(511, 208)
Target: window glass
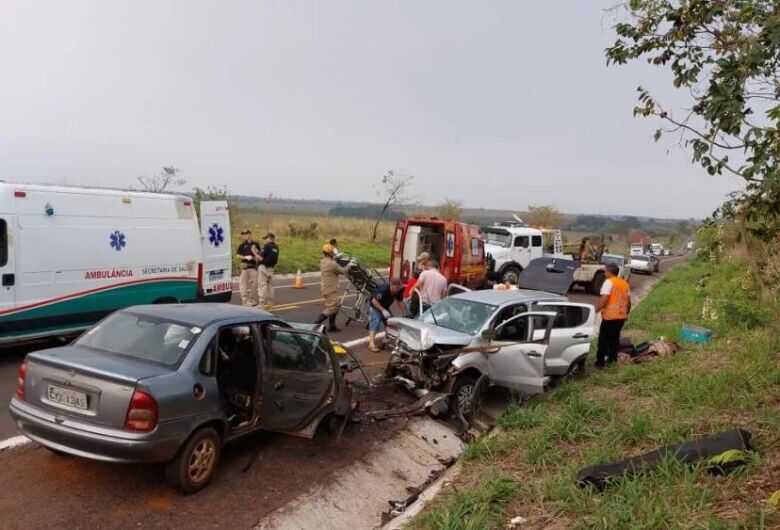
(521, 241)
(475, 247)
(501, 239)
(517, 329)
(300, 352)
(460, 315)
(566, 316)
(141, 337)
(3, 243)
(536, 241)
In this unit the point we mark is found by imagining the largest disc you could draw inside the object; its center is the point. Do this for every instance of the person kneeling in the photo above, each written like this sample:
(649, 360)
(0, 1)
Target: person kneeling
(381, 301)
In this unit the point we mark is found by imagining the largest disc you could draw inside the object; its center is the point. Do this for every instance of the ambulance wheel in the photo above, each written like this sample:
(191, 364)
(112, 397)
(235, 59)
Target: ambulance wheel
(511, 274)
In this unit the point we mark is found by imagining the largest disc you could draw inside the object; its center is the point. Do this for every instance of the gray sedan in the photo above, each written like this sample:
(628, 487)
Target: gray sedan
(174, 383)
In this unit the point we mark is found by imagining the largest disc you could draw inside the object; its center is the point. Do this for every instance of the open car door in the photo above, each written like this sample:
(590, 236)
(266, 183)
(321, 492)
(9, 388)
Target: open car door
(215, 274)
(571, 334)
(520, 365)
(300, 377)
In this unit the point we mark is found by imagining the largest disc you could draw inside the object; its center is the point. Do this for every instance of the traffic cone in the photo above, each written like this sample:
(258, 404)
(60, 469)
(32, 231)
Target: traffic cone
(298, 284)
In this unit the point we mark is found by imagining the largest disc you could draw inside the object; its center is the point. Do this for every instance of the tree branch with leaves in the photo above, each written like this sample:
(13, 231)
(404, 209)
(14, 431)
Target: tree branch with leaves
(726, 55)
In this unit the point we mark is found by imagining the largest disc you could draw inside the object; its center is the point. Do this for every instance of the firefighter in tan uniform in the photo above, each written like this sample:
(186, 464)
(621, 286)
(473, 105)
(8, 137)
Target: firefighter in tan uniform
(330, 271)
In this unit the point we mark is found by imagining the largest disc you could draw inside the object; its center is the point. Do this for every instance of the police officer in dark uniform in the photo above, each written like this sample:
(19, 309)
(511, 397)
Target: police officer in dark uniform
(248, 279)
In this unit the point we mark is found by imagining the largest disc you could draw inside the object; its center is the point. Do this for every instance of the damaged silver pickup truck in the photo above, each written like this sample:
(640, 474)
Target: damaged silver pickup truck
(519, 339)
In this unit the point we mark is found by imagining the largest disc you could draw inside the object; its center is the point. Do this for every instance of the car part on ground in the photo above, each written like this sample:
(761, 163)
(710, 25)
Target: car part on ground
(702, 449)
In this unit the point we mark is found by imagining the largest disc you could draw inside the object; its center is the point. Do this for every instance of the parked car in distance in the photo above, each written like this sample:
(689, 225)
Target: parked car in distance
(623, 263)
(520, 339)
(174, 383)
(644, 264)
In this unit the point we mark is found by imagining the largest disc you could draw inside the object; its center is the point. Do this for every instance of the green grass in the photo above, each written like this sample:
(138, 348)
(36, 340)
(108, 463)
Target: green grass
(304, 252)
(621, 412)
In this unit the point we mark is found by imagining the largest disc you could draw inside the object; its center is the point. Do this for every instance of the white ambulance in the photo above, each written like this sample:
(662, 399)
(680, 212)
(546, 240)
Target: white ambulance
(70, 256)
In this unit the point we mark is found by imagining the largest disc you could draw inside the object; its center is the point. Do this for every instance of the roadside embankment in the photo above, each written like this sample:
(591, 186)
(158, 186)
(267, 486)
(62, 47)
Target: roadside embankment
(527, 471)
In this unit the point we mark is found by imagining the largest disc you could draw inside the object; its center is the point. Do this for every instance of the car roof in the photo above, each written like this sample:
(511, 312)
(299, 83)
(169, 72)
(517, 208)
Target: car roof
(200, 315)
(501, 297)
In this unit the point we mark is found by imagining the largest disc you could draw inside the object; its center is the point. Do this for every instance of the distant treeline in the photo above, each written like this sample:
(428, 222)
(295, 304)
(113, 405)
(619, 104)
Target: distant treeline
(369, 212)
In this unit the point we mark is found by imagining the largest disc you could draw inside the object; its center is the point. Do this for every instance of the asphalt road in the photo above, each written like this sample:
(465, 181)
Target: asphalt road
(257, 475)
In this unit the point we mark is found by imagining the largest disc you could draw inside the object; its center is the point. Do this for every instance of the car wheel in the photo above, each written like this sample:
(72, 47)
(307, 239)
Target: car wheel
(463, 394)
(195, 465)
(576, 369)
(511, 274)
(596, 284)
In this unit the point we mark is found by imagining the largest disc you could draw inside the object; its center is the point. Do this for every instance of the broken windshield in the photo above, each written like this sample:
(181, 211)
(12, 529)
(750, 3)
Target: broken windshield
(464, 316)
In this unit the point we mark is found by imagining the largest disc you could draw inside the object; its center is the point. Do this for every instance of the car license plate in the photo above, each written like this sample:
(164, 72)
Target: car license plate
(67, 397)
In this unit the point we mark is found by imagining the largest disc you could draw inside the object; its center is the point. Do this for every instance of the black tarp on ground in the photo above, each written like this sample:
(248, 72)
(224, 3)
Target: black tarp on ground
(688, 452)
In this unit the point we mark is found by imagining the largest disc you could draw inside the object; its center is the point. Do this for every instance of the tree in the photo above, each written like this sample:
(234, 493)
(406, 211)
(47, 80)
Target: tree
(450, 209)
(543, 216)
(724, 55)
(169, 177)
(393, 190)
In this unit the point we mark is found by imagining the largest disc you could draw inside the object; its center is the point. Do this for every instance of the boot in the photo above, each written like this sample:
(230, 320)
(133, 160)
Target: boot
(332, 324)
(320, 319)
(372, 342)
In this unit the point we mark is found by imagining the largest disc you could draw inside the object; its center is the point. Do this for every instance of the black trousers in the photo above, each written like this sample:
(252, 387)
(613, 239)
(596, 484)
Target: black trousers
(609, 341)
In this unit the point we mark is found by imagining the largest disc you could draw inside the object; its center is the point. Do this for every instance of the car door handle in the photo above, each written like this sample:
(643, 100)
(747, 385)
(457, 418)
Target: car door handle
(580, 336)
(534, 354)
(278, 385)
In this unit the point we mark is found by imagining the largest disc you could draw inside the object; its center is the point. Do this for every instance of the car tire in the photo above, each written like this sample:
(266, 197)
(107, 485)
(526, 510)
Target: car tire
(596, 284)
(577, 369)
(511, 273)
(463, 394)
(197, 461)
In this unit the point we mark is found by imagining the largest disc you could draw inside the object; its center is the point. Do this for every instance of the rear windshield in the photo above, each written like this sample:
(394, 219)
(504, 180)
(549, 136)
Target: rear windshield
(640, 258)
(141, 337)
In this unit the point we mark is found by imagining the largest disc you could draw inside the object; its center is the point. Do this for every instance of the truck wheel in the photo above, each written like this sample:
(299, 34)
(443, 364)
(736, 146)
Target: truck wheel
(511, 274)
(195, 465)
(597, 283)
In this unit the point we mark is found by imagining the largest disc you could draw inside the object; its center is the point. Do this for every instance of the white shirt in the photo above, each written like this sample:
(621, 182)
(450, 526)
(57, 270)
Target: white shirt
(606, 288)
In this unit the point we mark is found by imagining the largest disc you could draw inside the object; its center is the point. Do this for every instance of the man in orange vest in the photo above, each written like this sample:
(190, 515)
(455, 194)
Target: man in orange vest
(614, 305)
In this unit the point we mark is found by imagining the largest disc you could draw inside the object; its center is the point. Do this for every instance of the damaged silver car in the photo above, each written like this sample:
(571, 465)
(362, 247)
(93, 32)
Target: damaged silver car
(518, 339)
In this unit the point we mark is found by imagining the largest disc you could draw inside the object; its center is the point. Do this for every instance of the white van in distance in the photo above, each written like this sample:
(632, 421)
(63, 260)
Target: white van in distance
(70, 256)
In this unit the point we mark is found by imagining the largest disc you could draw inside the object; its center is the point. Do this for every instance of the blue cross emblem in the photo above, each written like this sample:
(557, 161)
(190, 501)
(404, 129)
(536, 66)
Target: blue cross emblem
(216, 235)
(117, 240)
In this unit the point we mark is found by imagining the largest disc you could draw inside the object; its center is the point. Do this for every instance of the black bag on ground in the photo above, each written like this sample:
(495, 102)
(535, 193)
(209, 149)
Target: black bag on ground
(689, 452)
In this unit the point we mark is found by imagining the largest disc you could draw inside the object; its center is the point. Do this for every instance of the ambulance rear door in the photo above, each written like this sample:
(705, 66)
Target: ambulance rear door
(215, 272)
(7, 263)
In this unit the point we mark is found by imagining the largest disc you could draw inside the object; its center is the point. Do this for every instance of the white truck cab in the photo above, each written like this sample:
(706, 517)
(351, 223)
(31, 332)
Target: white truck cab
(511, 246)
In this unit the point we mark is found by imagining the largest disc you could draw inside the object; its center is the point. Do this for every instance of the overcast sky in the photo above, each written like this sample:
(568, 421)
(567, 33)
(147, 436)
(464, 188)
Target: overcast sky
(495, 104)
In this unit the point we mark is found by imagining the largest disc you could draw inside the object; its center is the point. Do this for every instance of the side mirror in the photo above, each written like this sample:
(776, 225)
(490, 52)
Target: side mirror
(488, 335)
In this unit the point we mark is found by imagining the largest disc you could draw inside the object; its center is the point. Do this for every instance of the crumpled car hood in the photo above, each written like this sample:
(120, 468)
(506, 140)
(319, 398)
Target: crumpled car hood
(421, 336)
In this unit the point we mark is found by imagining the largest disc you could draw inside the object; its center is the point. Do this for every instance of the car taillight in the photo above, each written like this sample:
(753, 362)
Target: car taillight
(142, 413)
(20, 380)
